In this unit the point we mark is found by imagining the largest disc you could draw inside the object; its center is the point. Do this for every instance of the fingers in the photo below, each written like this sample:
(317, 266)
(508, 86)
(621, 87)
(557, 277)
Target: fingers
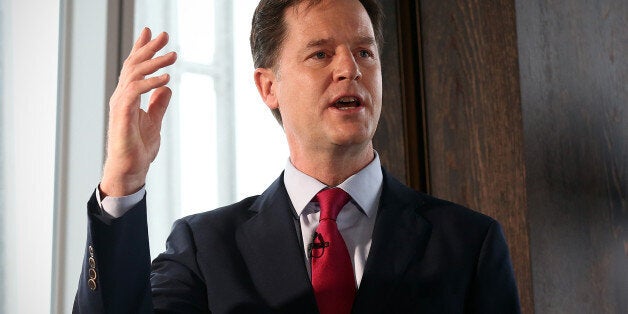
(144, 37)
(146, 50)
(140, 63)
(151, 66)
(146, 85)
(136, 88)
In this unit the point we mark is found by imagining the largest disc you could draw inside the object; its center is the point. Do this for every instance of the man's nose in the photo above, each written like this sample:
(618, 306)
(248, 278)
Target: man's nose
(346, 67)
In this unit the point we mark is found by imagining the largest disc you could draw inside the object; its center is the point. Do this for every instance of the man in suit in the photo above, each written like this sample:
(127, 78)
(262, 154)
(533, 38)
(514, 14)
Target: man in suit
(333, 234)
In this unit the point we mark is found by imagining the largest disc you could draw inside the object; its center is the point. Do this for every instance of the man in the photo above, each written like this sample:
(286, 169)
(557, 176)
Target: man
(389, 249)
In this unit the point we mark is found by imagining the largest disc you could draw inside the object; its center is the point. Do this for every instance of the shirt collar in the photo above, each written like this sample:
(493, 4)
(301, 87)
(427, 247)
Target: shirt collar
(364, 187)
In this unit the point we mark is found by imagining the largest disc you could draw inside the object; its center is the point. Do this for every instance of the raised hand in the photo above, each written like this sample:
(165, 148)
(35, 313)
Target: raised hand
(133, 135)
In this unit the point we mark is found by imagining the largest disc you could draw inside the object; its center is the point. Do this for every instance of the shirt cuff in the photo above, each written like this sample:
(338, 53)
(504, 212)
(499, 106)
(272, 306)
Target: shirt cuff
(115, 207)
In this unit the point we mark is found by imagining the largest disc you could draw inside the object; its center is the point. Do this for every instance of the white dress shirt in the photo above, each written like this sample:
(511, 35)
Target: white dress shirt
(355, 221)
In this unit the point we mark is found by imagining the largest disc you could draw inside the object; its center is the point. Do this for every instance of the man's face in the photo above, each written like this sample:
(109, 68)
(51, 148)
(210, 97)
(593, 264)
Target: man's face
(328, 83)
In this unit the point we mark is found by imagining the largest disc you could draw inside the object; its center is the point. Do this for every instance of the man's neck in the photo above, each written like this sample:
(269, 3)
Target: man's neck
(332, 167)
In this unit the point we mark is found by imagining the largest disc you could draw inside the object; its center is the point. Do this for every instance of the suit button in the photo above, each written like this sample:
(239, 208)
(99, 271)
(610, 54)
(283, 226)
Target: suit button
(92, 284)
(92, 262)
(91, 250)
(92, 274)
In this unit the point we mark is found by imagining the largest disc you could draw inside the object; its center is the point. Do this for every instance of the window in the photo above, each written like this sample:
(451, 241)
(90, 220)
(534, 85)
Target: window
(220, 143)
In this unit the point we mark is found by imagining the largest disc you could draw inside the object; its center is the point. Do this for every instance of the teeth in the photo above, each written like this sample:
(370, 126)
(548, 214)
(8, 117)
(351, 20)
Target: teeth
(347, 99)
(346, 103)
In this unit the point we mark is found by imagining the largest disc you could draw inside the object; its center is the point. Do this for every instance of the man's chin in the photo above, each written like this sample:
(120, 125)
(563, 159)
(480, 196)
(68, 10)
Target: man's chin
(352, 140)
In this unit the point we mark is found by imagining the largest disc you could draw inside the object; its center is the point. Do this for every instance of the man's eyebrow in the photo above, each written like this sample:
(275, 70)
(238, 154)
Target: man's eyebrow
(318, 42)
(366, 40)
(362, 40)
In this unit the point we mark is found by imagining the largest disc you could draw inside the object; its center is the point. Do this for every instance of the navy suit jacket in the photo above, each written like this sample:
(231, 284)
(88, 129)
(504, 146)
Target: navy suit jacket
(427, 256)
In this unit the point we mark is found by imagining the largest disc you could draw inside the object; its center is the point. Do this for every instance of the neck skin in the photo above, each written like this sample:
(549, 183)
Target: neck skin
(334, 166)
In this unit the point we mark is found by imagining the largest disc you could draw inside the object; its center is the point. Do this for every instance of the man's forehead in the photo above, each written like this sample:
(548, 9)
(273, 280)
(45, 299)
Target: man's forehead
(303, 6)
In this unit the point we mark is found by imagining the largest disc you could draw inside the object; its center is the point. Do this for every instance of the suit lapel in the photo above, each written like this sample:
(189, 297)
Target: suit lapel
(400, 236)
(270, 245)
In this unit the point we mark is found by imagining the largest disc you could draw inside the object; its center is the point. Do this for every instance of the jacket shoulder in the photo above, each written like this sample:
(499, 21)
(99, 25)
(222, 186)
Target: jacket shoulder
(439, 209)
(441, 214)
(223, 218)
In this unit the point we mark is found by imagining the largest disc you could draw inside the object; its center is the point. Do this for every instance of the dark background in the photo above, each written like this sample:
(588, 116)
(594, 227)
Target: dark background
(518, 109)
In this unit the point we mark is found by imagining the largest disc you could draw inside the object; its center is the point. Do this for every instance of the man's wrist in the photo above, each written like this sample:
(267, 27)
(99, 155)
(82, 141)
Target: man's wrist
(121, 187)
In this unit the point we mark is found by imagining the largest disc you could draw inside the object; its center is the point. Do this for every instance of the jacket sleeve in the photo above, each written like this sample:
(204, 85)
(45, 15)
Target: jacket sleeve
(116, 265)
(494, 289)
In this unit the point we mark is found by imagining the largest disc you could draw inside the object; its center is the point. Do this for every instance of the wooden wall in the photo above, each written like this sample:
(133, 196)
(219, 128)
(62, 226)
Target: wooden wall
(473, 113)
(574, 87)
(390, 138)
(400, 139)
(519, 109)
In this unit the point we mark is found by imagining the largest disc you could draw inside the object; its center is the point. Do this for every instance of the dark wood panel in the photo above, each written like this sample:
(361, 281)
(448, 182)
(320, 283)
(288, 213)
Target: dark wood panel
(390, 139)
(400, 138)
(574, 84)
(473, 112)
(410, 58)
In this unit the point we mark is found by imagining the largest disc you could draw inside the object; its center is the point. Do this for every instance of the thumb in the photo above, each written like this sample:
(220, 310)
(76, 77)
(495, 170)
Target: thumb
(158, 104)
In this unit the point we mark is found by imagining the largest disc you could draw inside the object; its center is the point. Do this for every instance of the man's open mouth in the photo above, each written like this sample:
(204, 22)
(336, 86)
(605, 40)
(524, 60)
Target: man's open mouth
(345, 103)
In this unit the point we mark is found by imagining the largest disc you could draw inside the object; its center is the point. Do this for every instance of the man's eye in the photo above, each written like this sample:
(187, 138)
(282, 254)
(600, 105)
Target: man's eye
(320, 55)
(365, 54)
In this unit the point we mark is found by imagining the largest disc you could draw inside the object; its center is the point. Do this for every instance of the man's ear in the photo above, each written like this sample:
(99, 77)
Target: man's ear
(265, 80)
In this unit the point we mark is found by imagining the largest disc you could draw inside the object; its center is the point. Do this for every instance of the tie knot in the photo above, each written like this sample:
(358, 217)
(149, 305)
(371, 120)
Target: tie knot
(331, 202)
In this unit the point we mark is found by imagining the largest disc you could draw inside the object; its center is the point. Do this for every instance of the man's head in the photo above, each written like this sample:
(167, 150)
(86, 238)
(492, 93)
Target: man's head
(325, 80)
(268, 30)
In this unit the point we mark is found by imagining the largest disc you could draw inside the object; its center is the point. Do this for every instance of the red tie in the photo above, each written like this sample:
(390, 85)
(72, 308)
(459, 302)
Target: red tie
(332, 273)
